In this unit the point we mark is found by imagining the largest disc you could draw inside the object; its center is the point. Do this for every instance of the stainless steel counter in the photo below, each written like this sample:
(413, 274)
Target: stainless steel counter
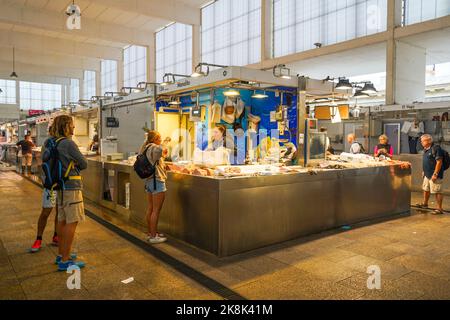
(230, 216)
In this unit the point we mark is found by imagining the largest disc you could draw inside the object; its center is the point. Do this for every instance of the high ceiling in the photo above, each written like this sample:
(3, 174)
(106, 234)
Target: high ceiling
(38, 28)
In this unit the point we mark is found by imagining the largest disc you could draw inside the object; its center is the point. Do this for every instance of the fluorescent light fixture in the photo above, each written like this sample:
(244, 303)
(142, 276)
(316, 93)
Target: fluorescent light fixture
(259, 95)
(281, 71)
(169, 78)
(174, 101)
(199, 70)
(198, 74)
(231, 93)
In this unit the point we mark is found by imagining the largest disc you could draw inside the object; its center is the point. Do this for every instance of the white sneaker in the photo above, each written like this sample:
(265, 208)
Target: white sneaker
(156, 240)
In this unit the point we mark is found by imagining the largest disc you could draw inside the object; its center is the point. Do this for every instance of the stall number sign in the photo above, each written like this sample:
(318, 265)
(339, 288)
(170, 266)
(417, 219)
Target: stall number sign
(112, 122)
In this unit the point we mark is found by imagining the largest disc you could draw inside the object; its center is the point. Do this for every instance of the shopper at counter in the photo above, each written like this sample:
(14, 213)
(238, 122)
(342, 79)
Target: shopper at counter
(383, 148)
(70, 200)
(49, 198)
(156, 192)
(433, 172)
(221, 139)
(26, 147)
(93, 146)
(355, 146)
(328, 148)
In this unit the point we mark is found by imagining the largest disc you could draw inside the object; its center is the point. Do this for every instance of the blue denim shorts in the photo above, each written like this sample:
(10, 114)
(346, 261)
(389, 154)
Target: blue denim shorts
(150, 187)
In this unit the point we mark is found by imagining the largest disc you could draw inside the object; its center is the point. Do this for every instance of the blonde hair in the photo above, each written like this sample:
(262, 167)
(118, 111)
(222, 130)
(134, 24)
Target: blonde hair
(152, 135)
(384, 137)
(51, 130)
(61, 126)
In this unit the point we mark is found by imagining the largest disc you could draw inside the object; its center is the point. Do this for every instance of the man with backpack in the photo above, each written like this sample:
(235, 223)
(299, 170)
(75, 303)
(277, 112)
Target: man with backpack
(435, 162)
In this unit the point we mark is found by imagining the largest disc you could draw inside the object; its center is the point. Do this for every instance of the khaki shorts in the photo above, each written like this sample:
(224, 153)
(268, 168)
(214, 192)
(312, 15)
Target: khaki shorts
(432, 187)
(27, 159)
(72, 208)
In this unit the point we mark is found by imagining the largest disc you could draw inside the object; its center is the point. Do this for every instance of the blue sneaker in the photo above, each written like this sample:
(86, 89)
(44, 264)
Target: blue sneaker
(63, 266)
(73, 256)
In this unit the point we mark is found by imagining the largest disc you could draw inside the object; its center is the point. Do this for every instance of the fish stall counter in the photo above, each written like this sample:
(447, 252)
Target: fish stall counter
(233, 209)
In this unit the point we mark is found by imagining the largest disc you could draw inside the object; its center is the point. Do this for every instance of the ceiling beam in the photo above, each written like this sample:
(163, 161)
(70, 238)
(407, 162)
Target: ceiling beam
(323, 51)
(52, 21)
(422, 27)
(49, 59)
(40, 43)
(27, 70)
(171, 10)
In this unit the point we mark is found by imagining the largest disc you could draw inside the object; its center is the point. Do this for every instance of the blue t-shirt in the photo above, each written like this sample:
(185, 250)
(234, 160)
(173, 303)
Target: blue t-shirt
(429, 161)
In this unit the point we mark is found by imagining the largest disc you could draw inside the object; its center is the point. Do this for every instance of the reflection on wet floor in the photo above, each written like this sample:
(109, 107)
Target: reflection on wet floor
(413, 253)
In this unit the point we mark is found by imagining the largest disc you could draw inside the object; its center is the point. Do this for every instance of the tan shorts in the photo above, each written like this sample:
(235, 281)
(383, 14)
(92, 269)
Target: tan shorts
(72, 208)
(432, 187)
(27, 159)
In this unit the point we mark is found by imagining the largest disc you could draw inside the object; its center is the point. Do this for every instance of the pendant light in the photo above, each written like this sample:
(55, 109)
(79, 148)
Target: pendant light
(369, 88)
(359, 94)
(344, 84)
(13, 73)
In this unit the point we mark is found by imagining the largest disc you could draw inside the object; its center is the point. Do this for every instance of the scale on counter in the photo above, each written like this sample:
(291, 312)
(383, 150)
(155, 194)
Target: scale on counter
(315, 142)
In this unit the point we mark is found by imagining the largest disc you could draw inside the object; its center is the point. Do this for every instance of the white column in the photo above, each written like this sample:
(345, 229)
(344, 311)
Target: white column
(394, 17)
(409, 73)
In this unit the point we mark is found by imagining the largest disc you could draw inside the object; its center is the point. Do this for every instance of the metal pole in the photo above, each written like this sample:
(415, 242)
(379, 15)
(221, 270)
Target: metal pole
(301, 117)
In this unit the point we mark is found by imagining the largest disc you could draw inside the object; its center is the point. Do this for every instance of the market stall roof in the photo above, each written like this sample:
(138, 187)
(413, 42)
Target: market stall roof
(141, 95)
(226, 77)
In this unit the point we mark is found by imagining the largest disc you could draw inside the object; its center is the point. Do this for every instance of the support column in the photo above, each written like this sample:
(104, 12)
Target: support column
(266, 30)
(404, 84)
(409, 73)
(98, 82)
(81, 86)
(196, 46)
(151, 59)
(301, 117)
(120, 73)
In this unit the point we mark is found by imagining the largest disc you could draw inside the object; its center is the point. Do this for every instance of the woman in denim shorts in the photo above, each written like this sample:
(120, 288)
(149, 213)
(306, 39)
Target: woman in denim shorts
(156, 192)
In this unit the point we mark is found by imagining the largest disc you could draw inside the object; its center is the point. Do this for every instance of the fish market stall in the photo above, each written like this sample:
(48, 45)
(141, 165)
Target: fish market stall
(271, 185)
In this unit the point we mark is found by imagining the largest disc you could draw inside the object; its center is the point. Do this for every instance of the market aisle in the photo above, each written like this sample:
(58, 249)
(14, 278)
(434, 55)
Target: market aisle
(110, 259)
(413, 253)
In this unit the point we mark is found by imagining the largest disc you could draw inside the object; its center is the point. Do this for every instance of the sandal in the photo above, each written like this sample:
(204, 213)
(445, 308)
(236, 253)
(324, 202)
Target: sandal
(437, 212)
(422, 205)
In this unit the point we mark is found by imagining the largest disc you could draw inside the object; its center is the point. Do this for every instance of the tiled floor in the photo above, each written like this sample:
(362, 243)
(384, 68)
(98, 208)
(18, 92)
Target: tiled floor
(413, 253)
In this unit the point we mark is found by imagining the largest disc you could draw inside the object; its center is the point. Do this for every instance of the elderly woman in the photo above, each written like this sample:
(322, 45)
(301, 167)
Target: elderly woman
(383, 148)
